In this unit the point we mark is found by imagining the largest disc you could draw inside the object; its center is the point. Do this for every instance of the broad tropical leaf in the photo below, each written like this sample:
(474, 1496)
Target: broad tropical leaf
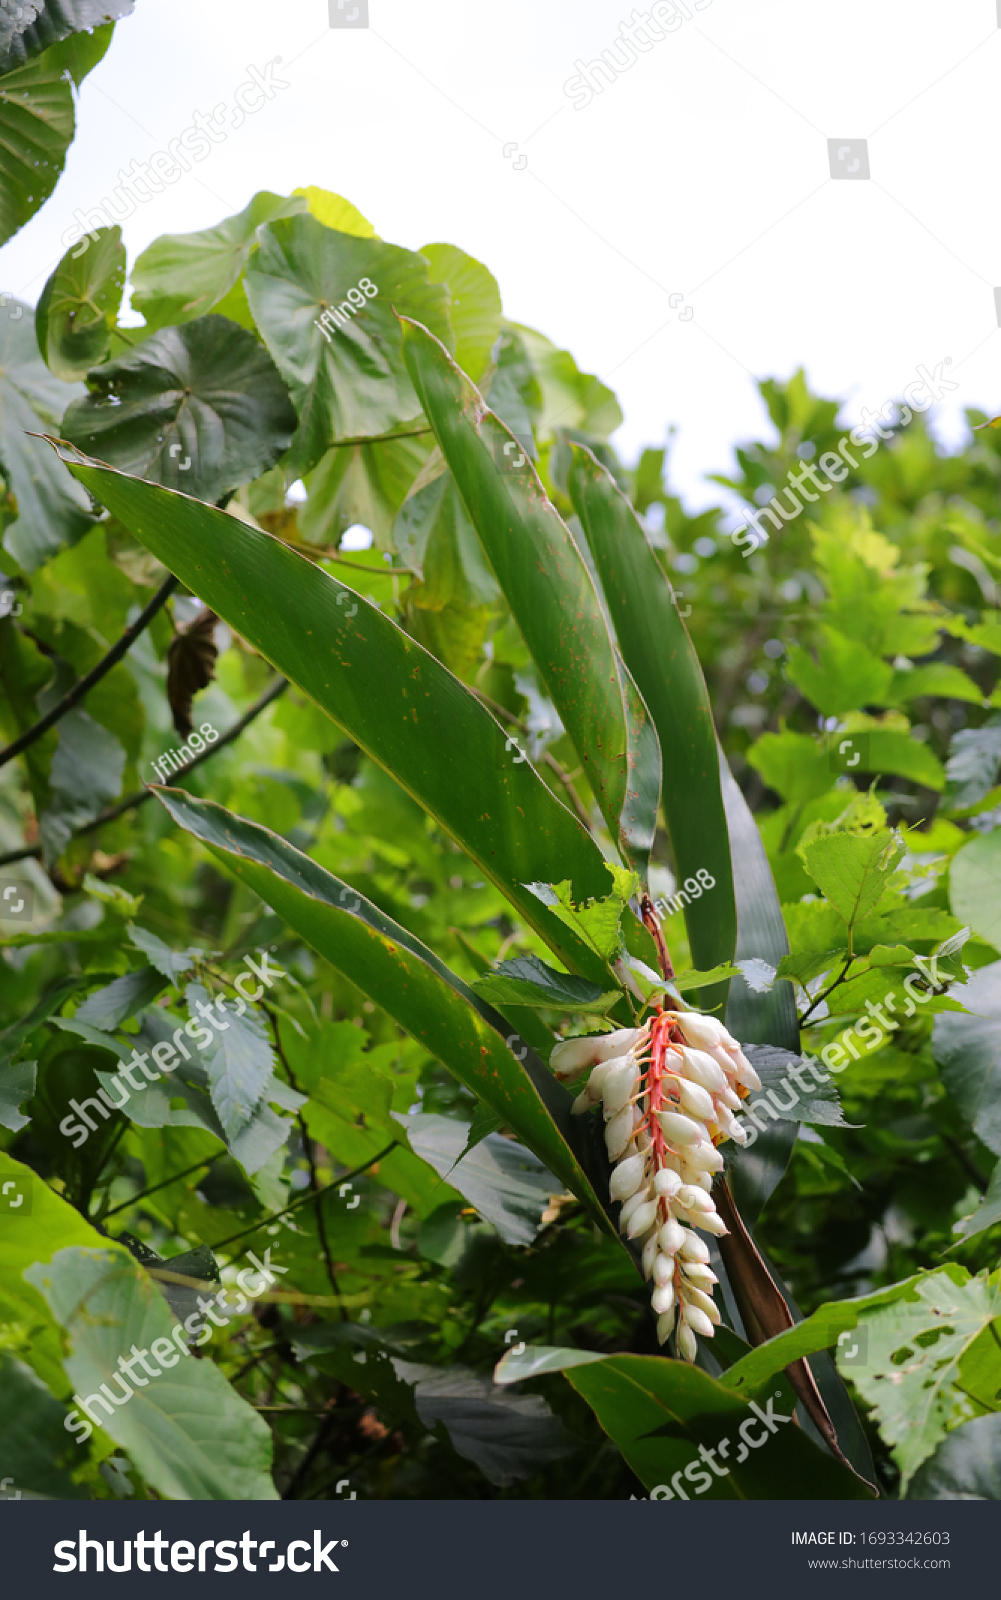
(79, 306)
(346, 376)
(662, 1414)
(38, 121)
(183, 275)
(188, 1431)
(52, 510)
(198, 407)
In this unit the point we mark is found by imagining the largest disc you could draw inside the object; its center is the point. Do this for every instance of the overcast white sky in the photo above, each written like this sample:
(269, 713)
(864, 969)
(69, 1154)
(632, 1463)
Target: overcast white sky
(701, 171)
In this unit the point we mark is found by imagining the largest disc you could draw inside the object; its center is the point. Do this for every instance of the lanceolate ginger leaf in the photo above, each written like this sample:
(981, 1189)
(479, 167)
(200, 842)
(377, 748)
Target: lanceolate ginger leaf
(402, 975)
(659, 654)
(393, 698)
(551, 594)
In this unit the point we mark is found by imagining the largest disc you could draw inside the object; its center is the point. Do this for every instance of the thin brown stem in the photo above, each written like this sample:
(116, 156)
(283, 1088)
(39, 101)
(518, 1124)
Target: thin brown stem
(652, 923)
(142, 795)
(83, 685)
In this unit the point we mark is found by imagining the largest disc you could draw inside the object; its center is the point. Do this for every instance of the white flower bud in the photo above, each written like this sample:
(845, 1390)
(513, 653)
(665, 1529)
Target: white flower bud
(702, 1276)
(618, 1133)
(680, 1130)
(694, 1199)
(742, 1069)
(666, 1182)
(702, 1032)
(573, 1056)
(665, 1326)
(694, 1248)
(711, 1222)
(704, 1157)
(663, 1268)
(698, 1102)
(728, 1097)
(637, 1199)
(687, 1344)
(662, 1298)
(671, 1237)
(619, 1086)
(650, 1253)
(698, 1179)
(695, 1297)
(620, 1042)
(582, 1103)
(641, 1219)
(626, 1178)
(704, 1069)
(698, 1322)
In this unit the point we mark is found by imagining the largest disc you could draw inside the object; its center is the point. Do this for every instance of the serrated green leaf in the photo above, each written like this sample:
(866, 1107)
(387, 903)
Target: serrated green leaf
(844, 677)
(975, 885)
(913, 1373)
(853, 870)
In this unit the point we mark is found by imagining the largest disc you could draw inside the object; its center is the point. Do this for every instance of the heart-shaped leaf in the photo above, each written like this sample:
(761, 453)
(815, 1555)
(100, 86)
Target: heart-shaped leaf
(53, 510)
(183, 275)
(38, 121)
(79, 306)
(199, 407)
(347, 376)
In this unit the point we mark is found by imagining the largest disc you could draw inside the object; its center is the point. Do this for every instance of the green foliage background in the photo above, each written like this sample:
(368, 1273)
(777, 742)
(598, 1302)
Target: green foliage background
(418, 1238)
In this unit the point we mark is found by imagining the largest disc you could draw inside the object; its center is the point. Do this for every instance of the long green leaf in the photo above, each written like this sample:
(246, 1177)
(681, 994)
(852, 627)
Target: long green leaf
(659, 654)
(403, 976)
(391, 696)
(663, 1414)
(550, 592)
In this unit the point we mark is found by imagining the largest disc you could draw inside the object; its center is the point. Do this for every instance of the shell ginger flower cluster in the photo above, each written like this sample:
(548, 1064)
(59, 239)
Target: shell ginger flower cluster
(668, 1090)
